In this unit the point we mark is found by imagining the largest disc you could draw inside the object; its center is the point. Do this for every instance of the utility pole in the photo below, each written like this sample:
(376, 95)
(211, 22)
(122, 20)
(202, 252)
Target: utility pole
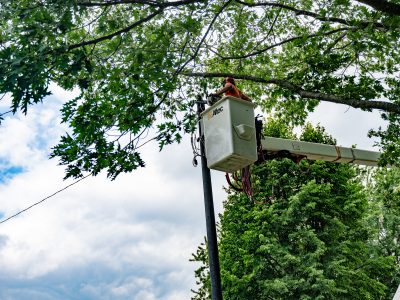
(216, 289)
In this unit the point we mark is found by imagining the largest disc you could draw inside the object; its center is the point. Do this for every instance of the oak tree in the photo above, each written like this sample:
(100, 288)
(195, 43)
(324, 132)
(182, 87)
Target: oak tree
(138, 64)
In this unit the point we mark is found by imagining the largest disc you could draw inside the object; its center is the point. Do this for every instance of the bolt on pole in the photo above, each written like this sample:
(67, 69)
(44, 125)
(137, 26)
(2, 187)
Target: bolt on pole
(216, 289)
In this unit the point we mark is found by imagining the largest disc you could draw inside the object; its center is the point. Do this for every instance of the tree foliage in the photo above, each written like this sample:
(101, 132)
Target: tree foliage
(310, 233)
(384, 218)
(139, 63)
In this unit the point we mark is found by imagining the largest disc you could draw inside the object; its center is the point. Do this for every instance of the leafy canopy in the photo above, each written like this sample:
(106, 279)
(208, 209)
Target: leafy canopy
(139, 64)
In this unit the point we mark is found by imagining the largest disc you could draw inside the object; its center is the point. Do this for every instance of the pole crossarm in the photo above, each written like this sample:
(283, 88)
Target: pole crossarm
(315, 151)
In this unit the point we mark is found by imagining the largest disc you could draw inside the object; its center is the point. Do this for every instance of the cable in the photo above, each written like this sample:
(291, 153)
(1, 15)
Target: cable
(236, 188)
(7, 112)
(246, 182)
(196, 150)
(243, 181)
(44, 199)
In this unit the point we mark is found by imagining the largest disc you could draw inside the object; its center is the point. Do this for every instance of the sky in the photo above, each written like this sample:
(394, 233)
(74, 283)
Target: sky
(131, 238)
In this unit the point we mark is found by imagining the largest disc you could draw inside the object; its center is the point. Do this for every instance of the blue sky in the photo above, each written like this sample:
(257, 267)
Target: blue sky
(131, 238)
(7, 173)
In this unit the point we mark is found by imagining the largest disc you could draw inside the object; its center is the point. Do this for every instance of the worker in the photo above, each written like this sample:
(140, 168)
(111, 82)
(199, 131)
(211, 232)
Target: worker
(230, 89)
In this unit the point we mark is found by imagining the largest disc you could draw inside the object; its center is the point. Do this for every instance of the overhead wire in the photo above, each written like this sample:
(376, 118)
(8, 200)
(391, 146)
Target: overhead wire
(7, 112)
(44, 199)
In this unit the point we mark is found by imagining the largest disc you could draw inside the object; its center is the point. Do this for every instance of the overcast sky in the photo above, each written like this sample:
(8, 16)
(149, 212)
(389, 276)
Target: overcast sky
(131, 238)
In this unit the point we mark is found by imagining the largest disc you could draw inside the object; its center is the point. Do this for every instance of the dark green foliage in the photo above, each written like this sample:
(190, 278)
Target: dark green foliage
(304, 235)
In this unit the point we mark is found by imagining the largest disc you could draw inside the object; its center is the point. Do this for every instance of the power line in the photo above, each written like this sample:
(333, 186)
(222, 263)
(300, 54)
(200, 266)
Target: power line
(7, 112)
(44, 199)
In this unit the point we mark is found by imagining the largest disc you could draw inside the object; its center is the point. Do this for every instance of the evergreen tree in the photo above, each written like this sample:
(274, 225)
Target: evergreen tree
(303, 236)
(384, 219)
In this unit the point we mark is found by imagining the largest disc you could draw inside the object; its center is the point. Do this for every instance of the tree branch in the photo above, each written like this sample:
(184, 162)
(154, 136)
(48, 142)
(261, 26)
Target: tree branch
(356, 103)
(144, 2)
(119, 32)
(282, 43)
(204, 36)
(116, 2)
(383, 6)
(295, 10)
(193, 56)
(310, 13)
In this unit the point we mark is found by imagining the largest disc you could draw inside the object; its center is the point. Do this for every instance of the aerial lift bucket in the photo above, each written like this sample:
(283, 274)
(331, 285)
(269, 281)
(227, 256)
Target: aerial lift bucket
(229, 134)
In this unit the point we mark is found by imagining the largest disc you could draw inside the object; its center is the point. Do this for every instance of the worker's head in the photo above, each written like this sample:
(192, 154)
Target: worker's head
(230, 80)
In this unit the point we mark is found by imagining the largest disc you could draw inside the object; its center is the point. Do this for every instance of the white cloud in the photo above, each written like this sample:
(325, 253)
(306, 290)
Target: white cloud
(25, 140)
(132, 284)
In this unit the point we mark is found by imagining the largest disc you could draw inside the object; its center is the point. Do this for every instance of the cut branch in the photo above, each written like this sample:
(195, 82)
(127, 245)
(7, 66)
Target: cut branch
(356, 103)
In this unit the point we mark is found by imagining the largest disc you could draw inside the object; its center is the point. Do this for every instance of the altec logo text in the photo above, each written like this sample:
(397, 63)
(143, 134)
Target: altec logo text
(215, 112)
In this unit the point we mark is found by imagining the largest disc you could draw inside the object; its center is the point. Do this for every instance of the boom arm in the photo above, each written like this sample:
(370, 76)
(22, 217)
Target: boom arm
(316, 151)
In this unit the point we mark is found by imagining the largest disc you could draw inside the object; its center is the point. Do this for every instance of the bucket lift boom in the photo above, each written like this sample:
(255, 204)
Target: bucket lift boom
(314, 151)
